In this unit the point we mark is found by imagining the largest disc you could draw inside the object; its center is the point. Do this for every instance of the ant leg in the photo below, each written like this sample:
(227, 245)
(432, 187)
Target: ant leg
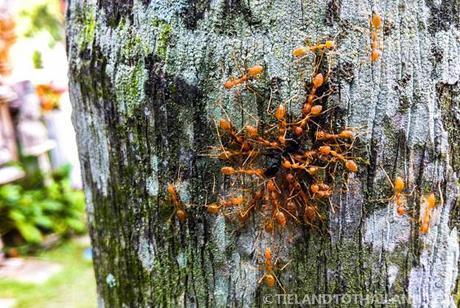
(285, 265)
(331, 205)
(289, 213)
(279, 283)
(261, 279)
(388, 177)
(220, 140)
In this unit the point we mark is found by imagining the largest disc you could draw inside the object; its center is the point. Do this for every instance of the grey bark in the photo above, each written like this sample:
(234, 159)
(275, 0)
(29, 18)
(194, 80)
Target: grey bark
(146, 84)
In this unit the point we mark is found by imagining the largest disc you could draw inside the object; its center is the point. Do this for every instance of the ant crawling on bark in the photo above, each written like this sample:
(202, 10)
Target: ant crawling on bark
(179, 208)
(282, 169)
(251, 72)
(269, 277)
(304, 50)
(430, 202)
(430, 206)
(376, 23)
(399, 197)
(283, 159)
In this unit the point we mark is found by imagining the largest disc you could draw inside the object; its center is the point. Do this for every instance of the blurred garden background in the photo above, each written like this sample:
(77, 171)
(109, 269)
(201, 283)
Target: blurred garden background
(45, 254)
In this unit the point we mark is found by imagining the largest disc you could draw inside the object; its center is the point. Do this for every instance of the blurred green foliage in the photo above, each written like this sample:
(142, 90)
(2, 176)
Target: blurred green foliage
(39, 17)
(37, 59)
(34, 212)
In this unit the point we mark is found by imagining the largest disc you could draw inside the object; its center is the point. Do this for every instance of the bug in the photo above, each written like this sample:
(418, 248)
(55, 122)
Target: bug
(252, 72)
(278, 215)
(317, 82)
(179, 208)
(215, 207)
(280, 115)
(430, 201)
(320, 190)
(279, 159)
(232, 171)
(269, 277)
(399, 197)
(244, 213)
(345, 134)
(376, 23)
(228, 127)
(311, 214)
(350, 164)
(304, 50)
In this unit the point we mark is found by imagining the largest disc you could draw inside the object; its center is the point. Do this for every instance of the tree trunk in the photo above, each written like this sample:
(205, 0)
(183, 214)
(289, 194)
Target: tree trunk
(146, 86)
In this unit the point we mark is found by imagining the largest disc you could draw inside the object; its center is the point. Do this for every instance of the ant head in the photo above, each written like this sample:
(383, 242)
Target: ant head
(213, 208)
(171, 189)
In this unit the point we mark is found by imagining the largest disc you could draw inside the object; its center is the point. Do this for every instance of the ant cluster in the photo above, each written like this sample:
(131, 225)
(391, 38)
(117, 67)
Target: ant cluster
(284, 170)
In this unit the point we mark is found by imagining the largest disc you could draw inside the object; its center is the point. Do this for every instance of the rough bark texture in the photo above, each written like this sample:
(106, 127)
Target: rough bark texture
(146, 84)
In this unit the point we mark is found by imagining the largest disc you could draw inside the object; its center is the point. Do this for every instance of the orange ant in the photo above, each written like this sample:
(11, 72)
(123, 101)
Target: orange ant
(320, 190)
(244, 214)
(398, 196)
(280, 115)
(302, 51)
(232, 171)
(317, 82)
(252, 72)
(179, 209)
(311, 213)
(345, 134)
(214, 208)
(314, 111)
(350, 165)
(376, 23)
(430, 205)
(227, 126)
(269, 276)
(274, 199)
(295, 186)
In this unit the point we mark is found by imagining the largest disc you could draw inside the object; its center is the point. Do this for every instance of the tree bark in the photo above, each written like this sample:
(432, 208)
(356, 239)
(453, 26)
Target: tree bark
(146, 84)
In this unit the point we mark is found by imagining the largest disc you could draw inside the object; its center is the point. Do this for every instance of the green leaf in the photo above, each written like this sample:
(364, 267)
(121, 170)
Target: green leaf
(29, 232)
(17, 216)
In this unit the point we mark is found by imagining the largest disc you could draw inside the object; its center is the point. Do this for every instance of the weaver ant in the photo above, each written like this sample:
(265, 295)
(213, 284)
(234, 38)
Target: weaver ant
(269, 277)
(179, 209)
(283, 157)
(302, 51)
(398, 196)
(376, 23)
(252, 72)
(430, 201)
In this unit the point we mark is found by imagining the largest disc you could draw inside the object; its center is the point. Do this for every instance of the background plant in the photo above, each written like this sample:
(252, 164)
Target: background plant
(27, 214)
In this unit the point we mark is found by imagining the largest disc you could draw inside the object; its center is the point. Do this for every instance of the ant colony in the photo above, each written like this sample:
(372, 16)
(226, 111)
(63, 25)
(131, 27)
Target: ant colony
(285, 169)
